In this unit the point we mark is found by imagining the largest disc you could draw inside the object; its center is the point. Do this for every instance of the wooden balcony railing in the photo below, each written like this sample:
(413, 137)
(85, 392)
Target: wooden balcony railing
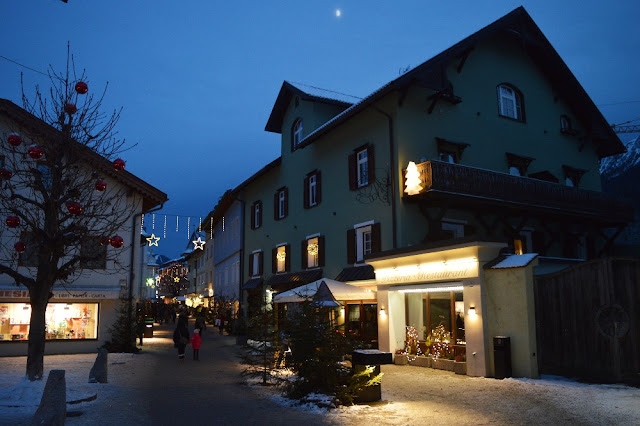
(481, 184)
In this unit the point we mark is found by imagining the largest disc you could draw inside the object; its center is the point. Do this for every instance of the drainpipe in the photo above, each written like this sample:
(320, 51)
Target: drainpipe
(393, 175)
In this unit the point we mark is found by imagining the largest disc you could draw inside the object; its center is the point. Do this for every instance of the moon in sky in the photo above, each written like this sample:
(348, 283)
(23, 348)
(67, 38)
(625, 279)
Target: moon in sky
(338, 13)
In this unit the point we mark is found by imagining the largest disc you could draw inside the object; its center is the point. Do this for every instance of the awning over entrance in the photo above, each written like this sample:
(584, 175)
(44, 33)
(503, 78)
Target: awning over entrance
(252, 284)
(284, 282)
(339, 290)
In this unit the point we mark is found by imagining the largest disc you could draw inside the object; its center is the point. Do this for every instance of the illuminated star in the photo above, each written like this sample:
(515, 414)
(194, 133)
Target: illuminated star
(198, 244)
(153, 240)
(176, 279)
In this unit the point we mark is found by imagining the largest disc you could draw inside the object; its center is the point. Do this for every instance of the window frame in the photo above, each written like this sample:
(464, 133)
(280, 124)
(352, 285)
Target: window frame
(281, 204)
(312, 195)
(357, 241)
(516, 100)
(359, 166)
(281, 266)
(256, 214)
(297, 130)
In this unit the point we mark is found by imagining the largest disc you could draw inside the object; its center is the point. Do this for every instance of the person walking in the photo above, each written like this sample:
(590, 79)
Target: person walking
(196, 341)
(221, 324)
(140, 326)
(181, 336)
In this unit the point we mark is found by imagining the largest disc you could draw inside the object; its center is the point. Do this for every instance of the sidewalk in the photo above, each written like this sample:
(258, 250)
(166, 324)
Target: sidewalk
(154, 388)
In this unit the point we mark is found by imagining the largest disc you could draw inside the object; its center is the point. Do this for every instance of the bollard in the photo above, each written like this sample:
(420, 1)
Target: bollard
(53, 405)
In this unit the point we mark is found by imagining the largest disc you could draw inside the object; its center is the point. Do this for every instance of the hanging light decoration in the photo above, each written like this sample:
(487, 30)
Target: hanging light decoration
(119, 164)
(74, 207)
(20, 247)
(101, 185)
(13, 221)
(14, 139)
(35, 152)
(117, 241)
(70, 109)
(81, 88)
(5, 173)
(105, 241)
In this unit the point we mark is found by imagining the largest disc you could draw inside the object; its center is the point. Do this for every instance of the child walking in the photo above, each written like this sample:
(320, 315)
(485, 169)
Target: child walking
(196, 340)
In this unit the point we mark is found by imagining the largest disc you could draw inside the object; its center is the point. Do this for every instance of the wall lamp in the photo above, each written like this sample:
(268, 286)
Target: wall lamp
(472, 312)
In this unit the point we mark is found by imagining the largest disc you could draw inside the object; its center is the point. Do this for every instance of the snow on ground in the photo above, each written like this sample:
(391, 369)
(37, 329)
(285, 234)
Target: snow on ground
(411, 395)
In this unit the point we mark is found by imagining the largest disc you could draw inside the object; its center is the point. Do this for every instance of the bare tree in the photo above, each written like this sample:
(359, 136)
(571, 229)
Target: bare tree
(58, 195)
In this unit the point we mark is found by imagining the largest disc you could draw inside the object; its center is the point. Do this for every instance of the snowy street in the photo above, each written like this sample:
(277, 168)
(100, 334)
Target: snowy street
(154, 388)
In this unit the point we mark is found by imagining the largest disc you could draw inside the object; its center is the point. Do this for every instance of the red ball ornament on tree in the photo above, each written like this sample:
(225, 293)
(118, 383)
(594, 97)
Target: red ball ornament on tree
(20, 247)
(105, 241)
(117, 242)
(119, 164)
(13, 221)
(70, 109)
(35, 152)
(15, 139)
(81, 88)
(5, 173)
(101, 185)
(74, 207)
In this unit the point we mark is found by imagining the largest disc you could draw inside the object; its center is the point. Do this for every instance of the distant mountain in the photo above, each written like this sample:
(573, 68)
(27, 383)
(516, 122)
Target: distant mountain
(621, 176)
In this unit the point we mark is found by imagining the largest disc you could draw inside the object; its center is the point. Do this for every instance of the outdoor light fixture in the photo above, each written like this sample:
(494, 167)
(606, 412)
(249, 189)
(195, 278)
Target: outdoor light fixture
(413, 184)
(472, 312)
(382, 312)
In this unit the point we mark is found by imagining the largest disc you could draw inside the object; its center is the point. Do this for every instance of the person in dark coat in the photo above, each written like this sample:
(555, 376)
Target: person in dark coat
(140, 325)
(181, 336)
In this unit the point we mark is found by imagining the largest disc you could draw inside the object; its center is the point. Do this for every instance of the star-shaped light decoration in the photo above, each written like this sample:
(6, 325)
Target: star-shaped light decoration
(153, 240)
(176, 279)
(198, 244)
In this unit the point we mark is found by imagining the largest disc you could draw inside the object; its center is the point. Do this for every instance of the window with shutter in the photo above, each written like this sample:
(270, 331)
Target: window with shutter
(510, 102)
(281, 204)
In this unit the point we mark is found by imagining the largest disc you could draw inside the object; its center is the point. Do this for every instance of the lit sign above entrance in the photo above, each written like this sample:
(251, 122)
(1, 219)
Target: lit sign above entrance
(431, 271)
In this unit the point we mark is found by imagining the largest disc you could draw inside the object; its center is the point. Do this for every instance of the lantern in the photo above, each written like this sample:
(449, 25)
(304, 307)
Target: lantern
(117, 242)
(81, 88)
(35, 152)
(13, 221)
(101, 185)
(105, 241)
(15, 139)
(70, 109)
(74, 207)
(118, 164)
(5, 173)
(20, 247)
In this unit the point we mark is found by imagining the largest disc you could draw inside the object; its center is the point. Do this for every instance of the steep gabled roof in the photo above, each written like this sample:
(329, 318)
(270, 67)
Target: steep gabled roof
(152, 196)
(517, 24)
(304, 92)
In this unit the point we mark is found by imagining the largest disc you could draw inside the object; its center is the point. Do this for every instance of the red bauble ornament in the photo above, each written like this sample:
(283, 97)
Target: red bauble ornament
(105, 241)
(5, 173)
(117, 242)
(101, 185)
(13, 221)
(35, 152)
(81, 88)
(119, 164)
(74, 207)
(70, 109)
(15, 139)
(20, 247)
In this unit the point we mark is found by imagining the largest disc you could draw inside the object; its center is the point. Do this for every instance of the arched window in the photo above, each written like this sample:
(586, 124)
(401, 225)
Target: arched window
(296, 133)
(510, 102)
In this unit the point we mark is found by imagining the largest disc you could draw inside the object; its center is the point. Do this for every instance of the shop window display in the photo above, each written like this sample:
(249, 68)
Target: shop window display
(64, 321)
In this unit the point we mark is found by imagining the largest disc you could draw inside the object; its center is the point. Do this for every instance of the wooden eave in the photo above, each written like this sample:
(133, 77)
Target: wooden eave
(152, 196)
(517, 24)
(287, 92)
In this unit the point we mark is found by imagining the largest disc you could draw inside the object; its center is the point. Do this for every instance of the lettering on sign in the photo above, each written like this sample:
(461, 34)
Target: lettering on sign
(392, 276)
(69, 295)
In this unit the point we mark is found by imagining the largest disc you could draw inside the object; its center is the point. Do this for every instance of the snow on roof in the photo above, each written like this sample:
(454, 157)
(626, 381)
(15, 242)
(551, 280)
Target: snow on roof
(339, 290)
(515, 261)
(319, 92)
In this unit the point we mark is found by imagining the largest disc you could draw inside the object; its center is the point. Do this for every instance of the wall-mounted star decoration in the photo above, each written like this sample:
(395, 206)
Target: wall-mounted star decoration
(176, 279)
(153, 240)
(198, 244)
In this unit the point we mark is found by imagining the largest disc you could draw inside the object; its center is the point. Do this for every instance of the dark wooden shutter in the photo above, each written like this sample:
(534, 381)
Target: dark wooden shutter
(286, 202)
(287, 259)
(318, 187)
(376, 243)
(260, 262)
(371, 164)
(251, 264)
(253, 216)
(259, 224)
(353, 178)
(306, 192)
(275, 205)
(303, 253)
(321, 251)
(351, 246)
(274, 260)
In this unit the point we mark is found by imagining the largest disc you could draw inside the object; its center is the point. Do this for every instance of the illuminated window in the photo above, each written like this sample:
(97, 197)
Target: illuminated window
(281, 259)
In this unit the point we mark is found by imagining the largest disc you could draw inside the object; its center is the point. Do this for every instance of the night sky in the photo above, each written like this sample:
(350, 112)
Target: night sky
(197, 78)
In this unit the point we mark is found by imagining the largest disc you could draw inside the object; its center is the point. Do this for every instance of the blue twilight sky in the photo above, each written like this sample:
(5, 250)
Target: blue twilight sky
(198, 78)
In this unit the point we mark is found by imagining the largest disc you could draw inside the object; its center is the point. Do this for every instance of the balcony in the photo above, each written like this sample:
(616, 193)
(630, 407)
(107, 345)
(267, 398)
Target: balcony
(464, 185)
